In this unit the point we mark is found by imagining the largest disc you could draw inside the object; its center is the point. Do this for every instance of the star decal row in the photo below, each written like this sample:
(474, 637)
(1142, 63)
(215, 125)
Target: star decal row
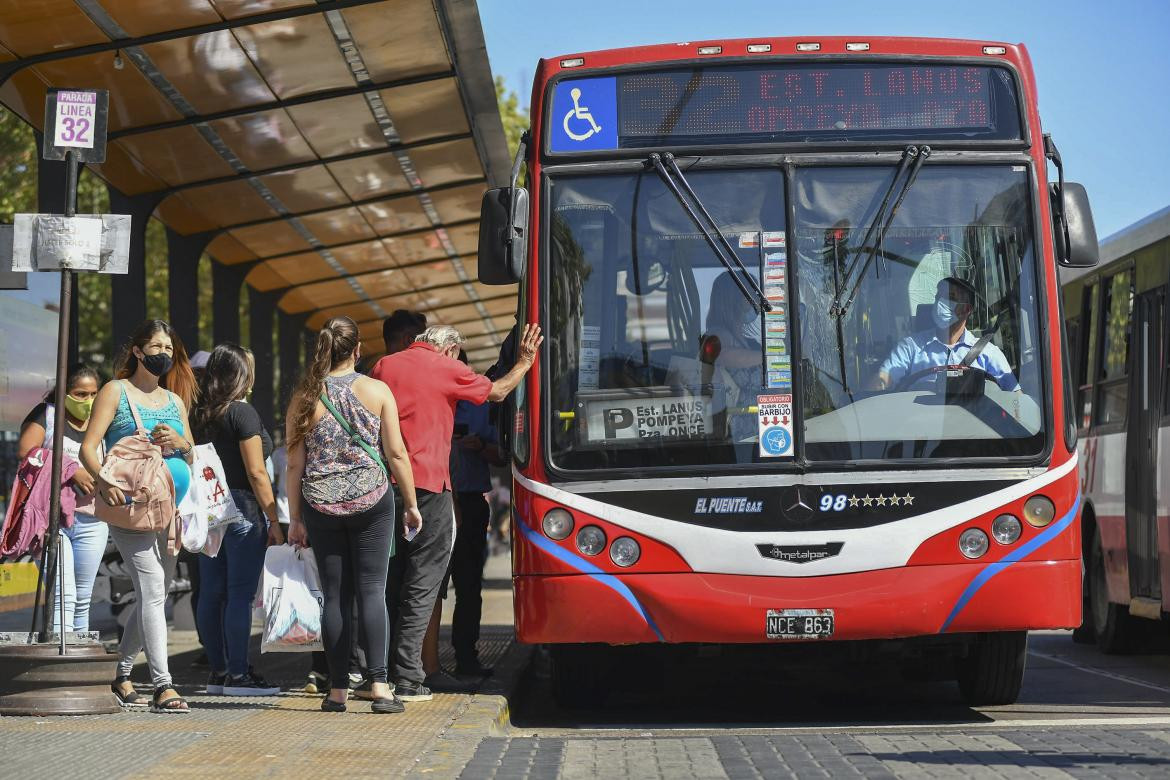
(881, 500)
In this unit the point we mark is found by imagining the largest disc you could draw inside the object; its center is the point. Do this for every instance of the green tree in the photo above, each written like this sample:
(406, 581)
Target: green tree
(514, 117)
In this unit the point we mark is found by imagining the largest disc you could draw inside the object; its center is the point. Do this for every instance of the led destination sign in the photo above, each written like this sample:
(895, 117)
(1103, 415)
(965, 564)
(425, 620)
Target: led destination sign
(733, 104)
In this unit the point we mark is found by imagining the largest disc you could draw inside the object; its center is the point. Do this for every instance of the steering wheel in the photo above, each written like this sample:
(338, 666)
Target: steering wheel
(905, 382)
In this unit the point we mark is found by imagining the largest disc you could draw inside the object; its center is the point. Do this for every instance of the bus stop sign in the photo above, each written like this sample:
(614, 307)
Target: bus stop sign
(75, 119)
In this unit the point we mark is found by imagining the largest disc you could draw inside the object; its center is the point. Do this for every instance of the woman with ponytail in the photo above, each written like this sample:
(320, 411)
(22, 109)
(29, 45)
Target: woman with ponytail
(155, 376)
(339, 426)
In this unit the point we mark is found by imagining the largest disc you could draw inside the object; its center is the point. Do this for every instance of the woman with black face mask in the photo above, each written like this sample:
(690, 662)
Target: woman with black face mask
(156, 377)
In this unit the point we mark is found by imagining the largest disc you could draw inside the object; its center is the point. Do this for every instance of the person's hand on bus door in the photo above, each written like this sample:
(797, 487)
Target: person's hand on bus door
(530, 342)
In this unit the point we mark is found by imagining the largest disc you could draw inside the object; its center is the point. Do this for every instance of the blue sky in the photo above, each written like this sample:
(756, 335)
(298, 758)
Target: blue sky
(1102, 68)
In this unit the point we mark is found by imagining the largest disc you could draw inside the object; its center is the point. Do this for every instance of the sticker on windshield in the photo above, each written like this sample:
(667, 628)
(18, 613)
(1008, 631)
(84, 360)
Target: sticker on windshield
(589, 358)
(584, 115)
(749, 240)
(773, 240)
(775, 425)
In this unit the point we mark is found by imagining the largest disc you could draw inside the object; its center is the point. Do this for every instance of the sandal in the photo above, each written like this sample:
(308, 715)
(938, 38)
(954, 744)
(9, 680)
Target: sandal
(174, 703)
(131, 699)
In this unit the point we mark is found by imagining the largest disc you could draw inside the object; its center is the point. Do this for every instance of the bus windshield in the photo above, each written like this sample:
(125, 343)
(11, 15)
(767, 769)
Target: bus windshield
(659, 359)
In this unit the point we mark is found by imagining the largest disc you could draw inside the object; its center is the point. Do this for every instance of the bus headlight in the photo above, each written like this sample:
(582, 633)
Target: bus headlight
(591, 540)
(625, 551)
(558, 524)
(1039, 511)
(1006, 529)
(973, 543)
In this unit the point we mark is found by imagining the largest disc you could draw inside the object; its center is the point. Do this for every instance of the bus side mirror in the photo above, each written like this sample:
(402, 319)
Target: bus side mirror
(503, 235)
(1074, 234)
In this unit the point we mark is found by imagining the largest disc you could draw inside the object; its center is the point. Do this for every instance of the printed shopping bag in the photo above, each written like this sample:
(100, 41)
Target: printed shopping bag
(292, 601)
(207, 472)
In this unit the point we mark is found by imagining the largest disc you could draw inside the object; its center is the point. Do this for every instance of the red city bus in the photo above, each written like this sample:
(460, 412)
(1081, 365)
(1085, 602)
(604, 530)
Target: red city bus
(803, 378)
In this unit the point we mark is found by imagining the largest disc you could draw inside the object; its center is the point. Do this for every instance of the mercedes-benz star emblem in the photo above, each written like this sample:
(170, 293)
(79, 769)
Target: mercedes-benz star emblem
(796, 507)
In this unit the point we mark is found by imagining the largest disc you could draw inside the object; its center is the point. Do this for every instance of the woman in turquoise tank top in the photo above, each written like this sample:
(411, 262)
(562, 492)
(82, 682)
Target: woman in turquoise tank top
(156, 377)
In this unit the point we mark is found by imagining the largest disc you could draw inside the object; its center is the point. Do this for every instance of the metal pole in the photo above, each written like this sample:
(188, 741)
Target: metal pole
(61, 585)
(50, 567)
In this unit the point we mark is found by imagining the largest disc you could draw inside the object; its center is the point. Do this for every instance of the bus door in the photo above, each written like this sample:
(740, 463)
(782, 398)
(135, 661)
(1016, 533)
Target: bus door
(1142, 443)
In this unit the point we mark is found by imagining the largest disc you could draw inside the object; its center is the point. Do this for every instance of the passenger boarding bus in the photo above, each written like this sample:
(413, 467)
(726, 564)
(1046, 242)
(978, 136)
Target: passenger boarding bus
(1118, 331)
(803, 377)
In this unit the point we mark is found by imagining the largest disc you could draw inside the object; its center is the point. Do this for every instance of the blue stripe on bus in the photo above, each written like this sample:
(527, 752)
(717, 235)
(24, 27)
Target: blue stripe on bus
(584, 566)
(1014, 556)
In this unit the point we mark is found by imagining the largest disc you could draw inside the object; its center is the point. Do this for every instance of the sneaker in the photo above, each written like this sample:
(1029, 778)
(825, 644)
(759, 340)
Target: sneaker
(317, 683)
(387, 705)
(249, 684)
(215, 683)
(412, 692)
(355, 679)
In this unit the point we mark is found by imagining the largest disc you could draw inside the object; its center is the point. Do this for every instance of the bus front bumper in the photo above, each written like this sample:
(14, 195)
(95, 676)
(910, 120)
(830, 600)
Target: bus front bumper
(725, 608)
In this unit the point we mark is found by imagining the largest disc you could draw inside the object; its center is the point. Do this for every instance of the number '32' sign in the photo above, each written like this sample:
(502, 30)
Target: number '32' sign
(75, 119)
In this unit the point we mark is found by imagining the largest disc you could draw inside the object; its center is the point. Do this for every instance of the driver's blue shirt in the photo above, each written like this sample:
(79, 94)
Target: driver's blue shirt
(924, 350)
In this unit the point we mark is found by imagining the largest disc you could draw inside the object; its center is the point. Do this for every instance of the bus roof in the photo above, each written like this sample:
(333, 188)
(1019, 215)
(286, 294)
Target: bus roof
(1147, 230)
(829, 45)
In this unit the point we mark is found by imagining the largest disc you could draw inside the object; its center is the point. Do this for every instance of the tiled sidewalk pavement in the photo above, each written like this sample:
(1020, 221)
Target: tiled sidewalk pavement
(1035, 753)
(222, 737)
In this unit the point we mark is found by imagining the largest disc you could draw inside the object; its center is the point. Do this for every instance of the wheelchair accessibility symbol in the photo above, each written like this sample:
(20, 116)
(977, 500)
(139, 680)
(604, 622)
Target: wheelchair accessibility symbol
(587, 110)
(581, 113)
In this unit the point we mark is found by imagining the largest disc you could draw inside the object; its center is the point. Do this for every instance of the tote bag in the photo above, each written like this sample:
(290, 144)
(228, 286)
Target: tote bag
(208, 480)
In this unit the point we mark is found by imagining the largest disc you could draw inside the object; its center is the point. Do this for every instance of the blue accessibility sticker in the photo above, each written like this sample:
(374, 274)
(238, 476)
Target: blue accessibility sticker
(584, 115)
(776, 441)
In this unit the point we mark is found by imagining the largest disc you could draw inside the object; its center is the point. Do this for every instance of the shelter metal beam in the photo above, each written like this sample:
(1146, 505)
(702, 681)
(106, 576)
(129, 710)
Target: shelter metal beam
(362, 202)
(290, 327)
(273, 105)
(300, 166)
(9, 69)
(226, 281)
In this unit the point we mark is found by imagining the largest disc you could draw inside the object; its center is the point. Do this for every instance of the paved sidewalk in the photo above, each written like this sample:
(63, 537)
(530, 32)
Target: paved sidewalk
(284, 736)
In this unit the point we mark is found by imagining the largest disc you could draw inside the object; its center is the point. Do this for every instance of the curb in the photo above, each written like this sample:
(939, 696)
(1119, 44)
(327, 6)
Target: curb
(486, 714)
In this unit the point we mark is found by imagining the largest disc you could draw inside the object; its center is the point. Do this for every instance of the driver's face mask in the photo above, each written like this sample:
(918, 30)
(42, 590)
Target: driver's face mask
(751, 327)
(944, 313)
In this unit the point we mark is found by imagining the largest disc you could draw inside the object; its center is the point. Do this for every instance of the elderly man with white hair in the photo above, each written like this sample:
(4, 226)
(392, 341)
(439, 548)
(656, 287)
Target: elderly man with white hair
(427, 380)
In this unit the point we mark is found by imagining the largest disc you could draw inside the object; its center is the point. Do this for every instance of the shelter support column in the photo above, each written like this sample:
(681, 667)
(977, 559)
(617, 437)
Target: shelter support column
(261, 324)
(183, 254)
(128, 301)
(291, 326)
(225, 302)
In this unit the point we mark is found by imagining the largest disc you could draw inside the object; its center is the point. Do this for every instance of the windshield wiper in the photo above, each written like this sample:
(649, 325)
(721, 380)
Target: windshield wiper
(733, 265)
(918, 156)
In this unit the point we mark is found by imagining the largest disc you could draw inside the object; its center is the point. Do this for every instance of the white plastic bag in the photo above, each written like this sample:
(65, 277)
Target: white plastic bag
(193, 521)
(214, 541)
(215, 499)
(292, 600)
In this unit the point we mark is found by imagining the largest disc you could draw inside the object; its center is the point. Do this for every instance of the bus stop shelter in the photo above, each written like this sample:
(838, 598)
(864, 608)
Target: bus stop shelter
(329, 156)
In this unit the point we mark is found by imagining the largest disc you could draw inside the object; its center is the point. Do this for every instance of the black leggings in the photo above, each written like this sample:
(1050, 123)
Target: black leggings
(353, 554)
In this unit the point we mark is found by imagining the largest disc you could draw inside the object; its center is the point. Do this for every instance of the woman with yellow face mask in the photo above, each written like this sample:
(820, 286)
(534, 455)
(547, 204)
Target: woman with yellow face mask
(84, 542)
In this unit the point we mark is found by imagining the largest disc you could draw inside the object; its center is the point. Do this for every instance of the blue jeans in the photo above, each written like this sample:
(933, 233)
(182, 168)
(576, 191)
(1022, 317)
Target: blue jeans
(227, 586)
(84, 543)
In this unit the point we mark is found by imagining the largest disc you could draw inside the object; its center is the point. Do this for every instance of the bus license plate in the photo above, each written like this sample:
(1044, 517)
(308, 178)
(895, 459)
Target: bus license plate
(799, 624)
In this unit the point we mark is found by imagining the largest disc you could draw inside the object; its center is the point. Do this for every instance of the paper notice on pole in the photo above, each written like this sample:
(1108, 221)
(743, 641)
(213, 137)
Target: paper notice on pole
(67, 243)
(775, 425)
(76, 119)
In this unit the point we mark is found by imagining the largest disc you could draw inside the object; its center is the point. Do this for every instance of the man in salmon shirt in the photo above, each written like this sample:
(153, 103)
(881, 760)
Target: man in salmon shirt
(428, 380)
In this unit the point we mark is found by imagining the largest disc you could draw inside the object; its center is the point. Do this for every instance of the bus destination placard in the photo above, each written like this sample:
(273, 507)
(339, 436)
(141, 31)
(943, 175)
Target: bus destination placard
(612, 417)
(734, 104)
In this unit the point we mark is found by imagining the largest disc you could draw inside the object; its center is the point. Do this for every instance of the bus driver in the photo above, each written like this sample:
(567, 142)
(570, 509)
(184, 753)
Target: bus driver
(947, 344)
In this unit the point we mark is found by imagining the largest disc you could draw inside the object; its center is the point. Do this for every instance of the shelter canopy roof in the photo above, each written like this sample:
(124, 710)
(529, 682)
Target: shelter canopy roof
(337, 150)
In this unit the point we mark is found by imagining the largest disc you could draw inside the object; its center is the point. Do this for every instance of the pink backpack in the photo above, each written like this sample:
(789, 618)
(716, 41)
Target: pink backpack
(136, 466)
